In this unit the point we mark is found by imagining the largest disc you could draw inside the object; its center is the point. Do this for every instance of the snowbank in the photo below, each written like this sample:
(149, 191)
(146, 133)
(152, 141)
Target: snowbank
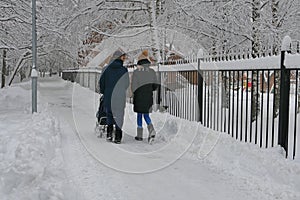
(31, 164)
(262, 169)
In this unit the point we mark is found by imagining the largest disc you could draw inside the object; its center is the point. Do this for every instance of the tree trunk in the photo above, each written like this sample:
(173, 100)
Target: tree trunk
(255, 108)
(225, 90)
(275, 36)
(275, 51)
(3, 72)
(298, 107)
(15, 71)
(276, 93)
(225, 79)
(22, 75)
(154, 31)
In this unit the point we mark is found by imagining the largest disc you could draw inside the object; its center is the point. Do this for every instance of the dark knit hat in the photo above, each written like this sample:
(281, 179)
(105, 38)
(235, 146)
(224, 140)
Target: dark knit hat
(144, 62)
(117, 54)
(143, 59)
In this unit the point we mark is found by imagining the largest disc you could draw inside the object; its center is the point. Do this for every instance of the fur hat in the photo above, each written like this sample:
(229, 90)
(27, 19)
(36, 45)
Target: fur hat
(143, 59)
(144, 55)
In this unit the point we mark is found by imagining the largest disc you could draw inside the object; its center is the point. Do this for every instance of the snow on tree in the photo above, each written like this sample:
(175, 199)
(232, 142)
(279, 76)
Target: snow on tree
(67, 29)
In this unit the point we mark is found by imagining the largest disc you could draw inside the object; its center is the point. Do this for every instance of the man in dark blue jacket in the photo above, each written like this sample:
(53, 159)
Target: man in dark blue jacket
(114, 82)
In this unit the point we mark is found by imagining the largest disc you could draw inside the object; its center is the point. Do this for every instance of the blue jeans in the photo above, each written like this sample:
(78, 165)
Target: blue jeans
(140, 119)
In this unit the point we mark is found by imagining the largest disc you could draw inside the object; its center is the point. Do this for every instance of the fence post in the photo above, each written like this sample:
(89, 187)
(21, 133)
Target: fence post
(158, 99)
(200, 86)
(284, 96)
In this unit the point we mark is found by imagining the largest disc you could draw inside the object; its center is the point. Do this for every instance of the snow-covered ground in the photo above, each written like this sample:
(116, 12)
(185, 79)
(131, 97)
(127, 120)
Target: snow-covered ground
(55, 154)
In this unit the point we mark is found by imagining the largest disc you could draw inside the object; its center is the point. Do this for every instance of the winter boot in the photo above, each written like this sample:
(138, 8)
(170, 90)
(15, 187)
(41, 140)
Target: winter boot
(118, 137)
(152, 133)
(110, 129)
(139, 135)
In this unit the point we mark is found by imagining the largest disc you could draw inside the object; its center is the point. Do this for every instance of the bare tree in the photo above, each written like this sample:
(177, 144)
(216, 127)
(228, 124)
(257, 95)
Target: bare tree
(275, 50)
(218, 25)
(256, 45)
(3, 71)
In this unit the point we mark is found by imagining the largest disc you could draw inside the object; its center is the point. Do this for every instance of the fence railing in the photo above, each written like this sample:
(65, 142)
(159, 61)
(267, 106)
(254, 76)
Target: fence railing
(253, 100)
(179, 93)
(86, 78)
(230, 104)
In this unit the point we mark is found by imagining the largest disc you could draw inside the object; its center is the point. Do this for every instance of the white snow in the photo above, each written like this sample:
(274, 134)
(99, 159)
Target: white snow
(142, 39)
(286, 43)
(101, 57)
(292, 60)
(55, 154)
(269, 62)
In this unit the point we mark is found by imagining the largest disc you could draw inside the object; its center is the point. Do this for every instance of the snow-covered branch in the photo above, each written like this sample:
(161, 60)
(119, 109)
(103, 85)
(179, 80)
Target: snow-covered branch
(198, 31)
(18, 65)
(136, 25)
(120, 36)
(13, 17)
(124, 9)
(199, 18)
(7, 47)
(131, 1)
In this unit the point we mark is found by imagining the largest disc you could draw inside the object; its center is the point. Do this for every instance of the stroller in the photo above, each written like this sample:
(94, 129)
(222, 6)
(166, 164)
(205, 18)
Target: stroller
(101, 118)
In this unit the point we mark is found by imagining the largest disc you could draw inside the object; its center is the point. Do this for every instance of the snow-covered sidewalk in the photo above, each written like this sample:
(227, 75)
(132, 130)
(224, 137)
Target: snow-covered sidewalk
(55, 154)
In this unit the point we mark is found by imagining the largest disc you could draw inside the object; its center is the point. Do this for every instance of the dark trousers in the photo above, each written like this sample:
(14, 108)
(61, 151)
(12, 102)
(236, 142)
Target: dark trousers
(115, 117)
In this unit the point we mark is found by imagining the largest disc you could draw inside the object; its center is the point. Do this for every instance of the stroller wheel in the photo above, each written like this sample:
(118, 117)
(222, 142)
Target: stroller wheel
(100, 133)
(97, 129)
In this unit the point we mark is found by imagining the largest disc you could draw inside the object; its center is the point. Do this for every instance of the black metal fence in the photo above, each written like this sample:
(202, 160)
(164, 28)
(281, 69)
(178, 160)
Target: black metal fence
(253, 100)
(86, 78)
(231, 105)
(179, 93)
(259, 104)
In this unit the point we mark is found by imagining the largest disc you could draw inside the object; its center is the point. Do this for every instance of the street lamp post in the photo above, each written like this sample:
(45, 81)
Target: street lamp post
(34, 73)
